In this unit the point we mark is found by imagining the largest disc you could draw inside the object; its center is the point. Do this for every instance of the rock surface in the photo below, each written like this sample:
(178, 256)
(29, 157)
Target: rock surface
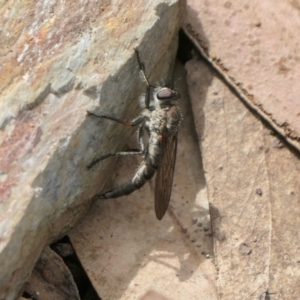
(58, 60)
(251, 173)
(51, 279)
(253, 191)
(254, 46)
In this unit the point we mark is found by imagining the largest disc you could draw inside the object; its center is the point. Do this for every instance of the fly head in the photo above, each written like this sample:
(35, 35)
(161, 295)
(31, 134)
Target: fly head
(163, 96)
(166, 96)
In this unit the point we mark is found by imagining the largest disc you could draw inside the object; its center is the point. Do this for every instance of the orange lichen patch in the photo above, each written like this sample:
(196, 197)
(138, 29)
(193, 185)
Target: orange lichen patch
(18, 27)
(41, 35)
(119, 24)
(9, 72)
(114, 23)
(25, 45)
(41, 68)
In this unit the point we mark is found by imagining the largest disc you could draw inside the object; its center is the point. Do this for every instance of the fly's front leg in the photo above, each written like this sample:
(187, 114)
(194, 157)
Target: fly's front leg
(142, 70)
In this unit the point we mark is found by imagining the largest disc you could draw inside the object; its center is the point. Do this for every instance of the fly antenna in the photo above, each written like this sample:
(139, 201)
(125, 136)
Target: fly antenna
(142, 67)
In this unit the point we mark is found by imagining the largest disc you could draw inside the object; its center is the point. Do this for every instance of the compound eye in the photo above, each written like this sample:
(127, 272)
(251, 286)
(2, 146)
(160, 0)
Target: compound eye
(165, 94)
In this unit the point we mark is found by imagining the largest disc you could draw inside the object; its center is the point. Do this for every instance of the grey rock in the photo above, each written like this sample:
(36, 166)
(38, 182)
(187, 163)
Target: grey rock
(57, 61)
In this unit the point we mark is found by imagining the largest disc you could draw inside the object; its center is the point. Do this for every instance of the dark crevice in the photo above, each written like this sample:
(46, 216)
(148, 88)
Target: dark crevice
(185, 48)
(28, 295)
(64, 248)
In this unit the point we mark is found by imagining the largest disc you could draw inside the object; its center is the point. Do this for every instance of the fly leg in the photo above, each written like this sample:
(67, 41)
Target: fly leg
(144, 172)
(137, 121)
(118, 154)
(137, 181)
(142, 70)
(132, 123)
(123, 153)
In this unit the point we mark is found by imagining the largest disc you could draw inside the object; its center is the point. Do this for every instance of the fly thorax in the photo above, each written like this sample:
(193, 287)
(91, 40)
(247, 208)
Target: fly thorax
(173, 119)
(158, 120)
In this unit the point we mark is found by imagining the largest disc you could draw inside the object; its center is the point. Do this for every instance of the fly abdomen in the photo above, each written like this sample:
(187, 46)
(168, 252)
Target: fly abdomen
(144, 173)
(154, 148)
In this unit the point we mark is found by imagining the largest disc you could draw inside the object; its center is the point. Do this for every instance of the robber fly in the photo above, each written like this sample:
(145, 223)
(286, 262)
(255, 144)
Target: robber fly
(160, 119)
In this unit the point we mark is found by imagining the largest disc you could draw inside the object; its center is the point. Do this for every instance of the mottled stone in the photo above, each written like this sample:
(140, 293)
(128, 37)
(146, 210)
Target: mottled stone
(58, 60)
(254, 46)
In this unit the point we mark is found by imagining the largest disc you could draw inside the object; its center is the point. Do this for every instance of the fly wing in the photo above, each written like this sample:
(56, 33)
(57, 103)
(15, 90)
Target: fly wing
(164, 175)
